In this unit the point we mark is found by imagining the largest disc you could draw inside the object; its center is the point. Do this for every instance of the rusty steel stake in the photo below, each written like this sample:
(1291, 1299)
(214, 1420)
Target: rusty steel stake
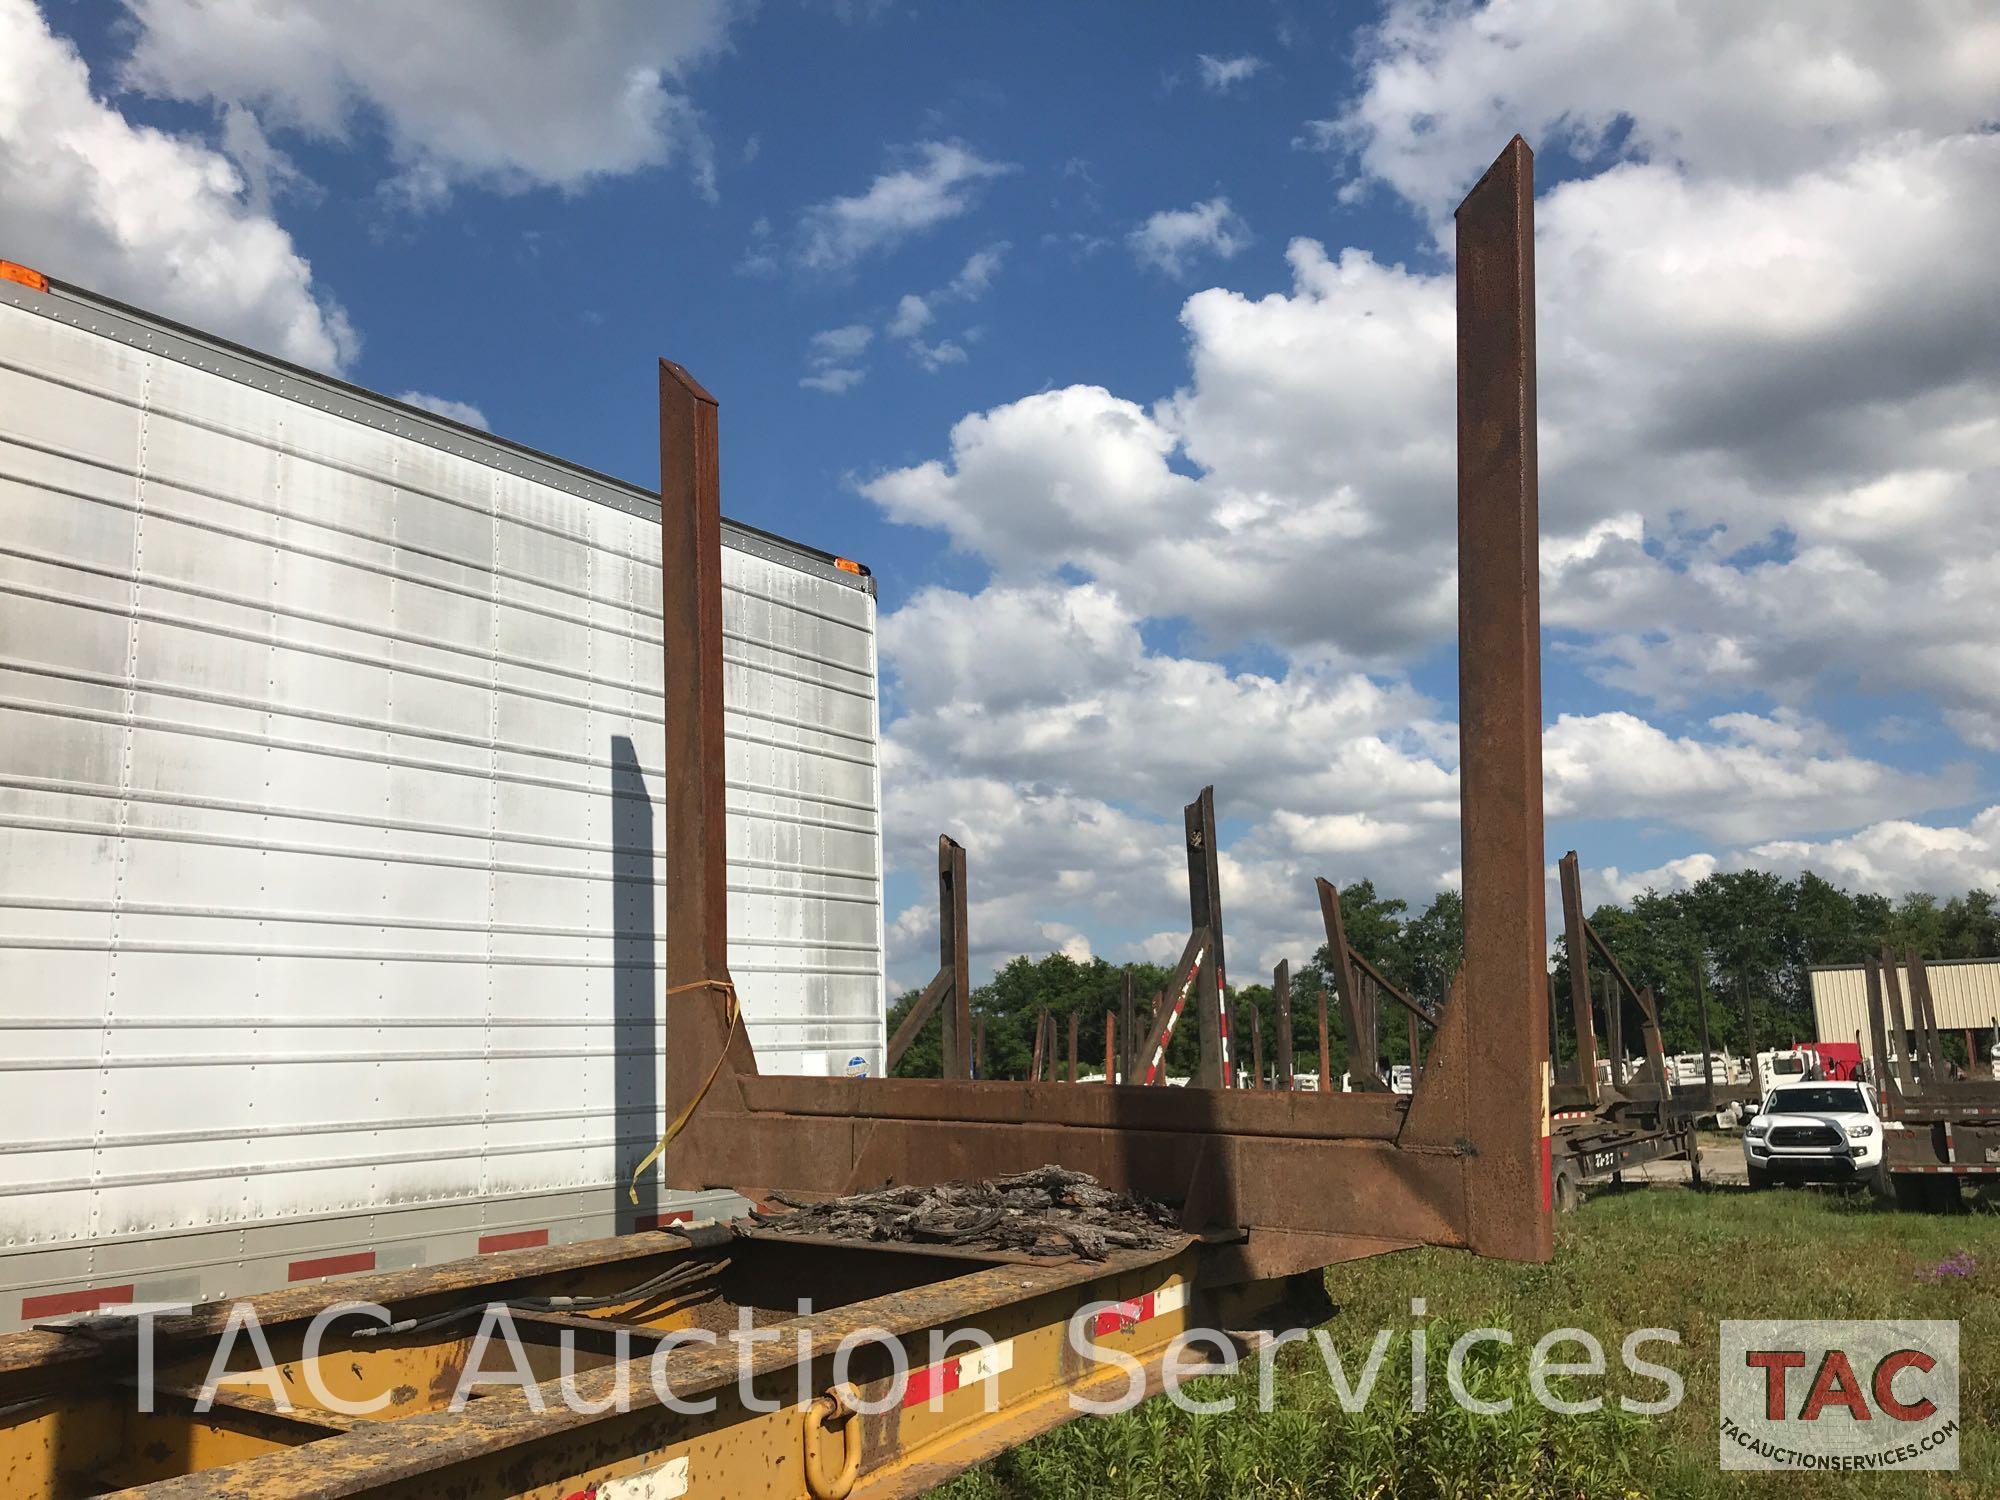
(1205, 915)
(1281, 997)
(1325, 1050)
(1500, 708)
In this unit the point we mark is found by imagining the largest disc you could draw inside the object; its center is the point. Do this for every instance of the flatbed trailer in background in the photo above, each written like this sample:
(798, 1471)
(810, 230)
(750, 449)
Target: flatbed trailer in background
(1939, 1131)
(1267, 1187)
(1602, 1128)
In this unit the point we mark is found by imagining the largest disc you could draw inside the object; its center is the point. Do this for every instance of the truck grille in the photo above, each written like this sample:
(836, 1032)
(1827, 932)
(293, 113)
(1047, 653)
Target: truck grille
(1804, 1135)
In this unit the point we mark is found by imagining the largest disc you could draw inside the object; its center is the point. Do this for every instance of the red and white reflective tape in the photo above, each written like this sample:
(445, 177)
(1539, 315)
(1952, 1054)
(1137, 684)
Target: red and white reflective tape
(934, 1382)
(1959, 1168)
(519, 1239)
(667, 1481)
(1950, 1145)
(1124, 1315)
(64, 1304)
(331, 1265)
(1173, 1016)
(1222, 1006)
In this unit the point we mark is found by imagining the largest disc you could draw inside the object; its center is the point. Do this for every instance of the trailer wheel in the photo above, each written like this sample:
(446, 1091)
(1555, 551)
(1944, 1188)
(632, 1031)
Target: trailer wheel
(1566, 1190)
(1925, 1193)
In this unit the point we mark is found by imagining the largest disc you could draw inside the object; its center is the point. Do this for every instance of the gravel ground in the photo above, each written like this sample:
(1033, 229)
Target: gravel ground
(1721, 1161)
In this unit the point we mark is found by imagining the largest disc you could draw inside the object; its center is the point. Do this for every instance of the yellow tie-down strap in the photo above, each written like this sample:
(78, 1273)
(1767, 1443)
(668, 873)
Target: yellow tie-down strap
(675, 1125)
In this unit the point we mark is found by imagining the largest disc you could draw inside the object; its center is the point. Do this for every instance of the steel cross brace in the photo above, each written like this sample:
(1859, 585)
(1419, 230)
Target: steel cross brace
(953, 979)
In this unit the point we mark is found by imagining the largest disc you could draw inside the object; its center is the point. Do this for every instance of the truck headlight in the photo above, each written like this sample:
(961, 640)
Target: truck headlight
(1757, 1127)
(1860, 1132)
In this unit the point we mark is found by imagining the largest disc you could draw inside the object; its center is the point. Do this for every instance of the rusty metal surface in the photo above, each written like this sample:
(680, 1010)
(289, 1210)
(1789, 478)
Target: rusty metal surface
(951, 987)
(700, 1025)
(1181, 981)
(1500, 712)
(1916, 1086)
(1281, 998)
(1205, 915)
(1457, 1164)
(1576, 948)
(1128, 1029)
(913, 1023)
(500, 1445)
(1362, 1048)
(955, 958)
(1325, 1047)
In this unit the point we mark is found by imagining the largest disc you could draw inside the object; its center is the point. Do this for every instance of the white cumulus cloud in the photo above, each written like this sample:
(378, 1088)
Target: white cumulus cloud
(502, 93)
(444, 406)
(1173, 238)
(1221, 74)
(156, 219)
(939, 181)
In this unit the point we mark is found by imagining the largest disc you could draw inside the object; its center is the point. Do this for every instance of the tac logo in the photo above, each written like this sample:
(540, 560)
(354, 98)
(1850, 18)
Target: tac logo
(1860, 1396)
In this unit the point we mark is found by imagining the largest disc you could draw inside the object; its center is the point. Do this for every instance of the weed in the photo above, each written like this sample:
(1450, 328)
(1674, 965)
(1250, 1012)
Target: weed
(1641, 1258)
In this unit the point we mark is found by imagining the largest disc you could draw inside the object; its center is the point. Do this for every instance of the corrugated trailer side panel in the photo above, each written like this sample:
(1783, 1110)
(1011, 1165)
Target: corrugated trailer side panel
(330, 748)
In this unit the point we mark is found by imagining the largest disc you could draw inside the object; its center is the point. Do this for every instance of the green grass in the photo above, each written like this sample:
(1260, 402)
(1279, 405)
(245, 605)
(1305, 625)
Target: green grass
(1661, 1257)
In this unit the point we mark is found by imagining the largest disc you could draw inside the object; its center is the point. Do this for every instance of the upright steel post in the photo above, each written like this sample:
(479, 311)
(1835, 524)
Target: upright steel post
(1577, 949)
(1256, 1048)
(1111, 1046)
(1885, 1079)
(1416, 1049)
(1360, 1041)
(1205, 914)
(1926, 1015)
(1614, 1030)
(1072, 1046)
(1325, 1048)
(1707, 1055)
(1281, 997)
(1655, 1041)
(1555, 1033)
(1128, 1027)
(1500, 710)
(1905, 1055)
(954, 945)
(701, 1011)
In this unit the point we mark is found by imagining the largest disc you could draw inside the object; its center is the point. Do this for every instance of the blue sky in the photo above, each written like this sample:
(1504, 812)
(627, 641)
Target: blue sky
(1115, 339)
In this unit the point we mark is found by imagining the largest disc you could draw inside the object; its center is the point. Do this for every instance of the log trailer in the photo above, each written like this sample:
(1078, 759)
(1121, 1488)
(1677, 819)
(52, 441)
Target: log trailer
(1939, 1130)
(1269, 1187)
(1603, 1127)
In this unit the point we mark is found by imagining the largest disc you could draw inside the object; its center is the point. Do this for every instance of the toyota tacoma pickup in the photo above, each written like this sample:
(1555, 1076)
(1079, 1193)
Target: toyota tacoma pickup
(1816, 1132)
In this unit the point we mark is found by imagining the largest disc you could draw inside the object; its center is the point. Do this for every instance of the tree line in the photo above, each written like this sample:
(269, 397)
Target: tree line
(1749, 938)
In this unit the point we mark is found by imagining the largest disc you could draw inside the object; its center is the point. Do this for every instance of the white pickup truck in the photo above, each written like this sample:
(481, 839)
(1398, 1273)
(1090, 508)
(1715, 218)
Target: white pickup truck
(1820, 1131)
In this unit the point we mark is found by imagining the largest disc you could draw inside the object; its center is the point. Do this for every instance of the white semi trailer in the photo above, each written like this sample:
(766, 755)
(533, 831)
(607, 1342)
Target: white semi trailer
(330, 810)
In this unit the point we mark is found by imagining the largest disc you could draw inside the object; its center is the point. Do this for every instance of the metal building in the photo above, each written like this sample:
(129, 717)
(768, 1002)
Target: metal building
(1966, 992)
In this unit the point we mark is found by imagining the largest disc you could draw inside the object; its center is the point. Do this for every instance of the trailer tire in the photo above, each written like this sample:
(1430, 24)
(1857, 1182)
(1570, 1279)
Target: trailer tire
(1565, 1189)
(1927, 1193)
